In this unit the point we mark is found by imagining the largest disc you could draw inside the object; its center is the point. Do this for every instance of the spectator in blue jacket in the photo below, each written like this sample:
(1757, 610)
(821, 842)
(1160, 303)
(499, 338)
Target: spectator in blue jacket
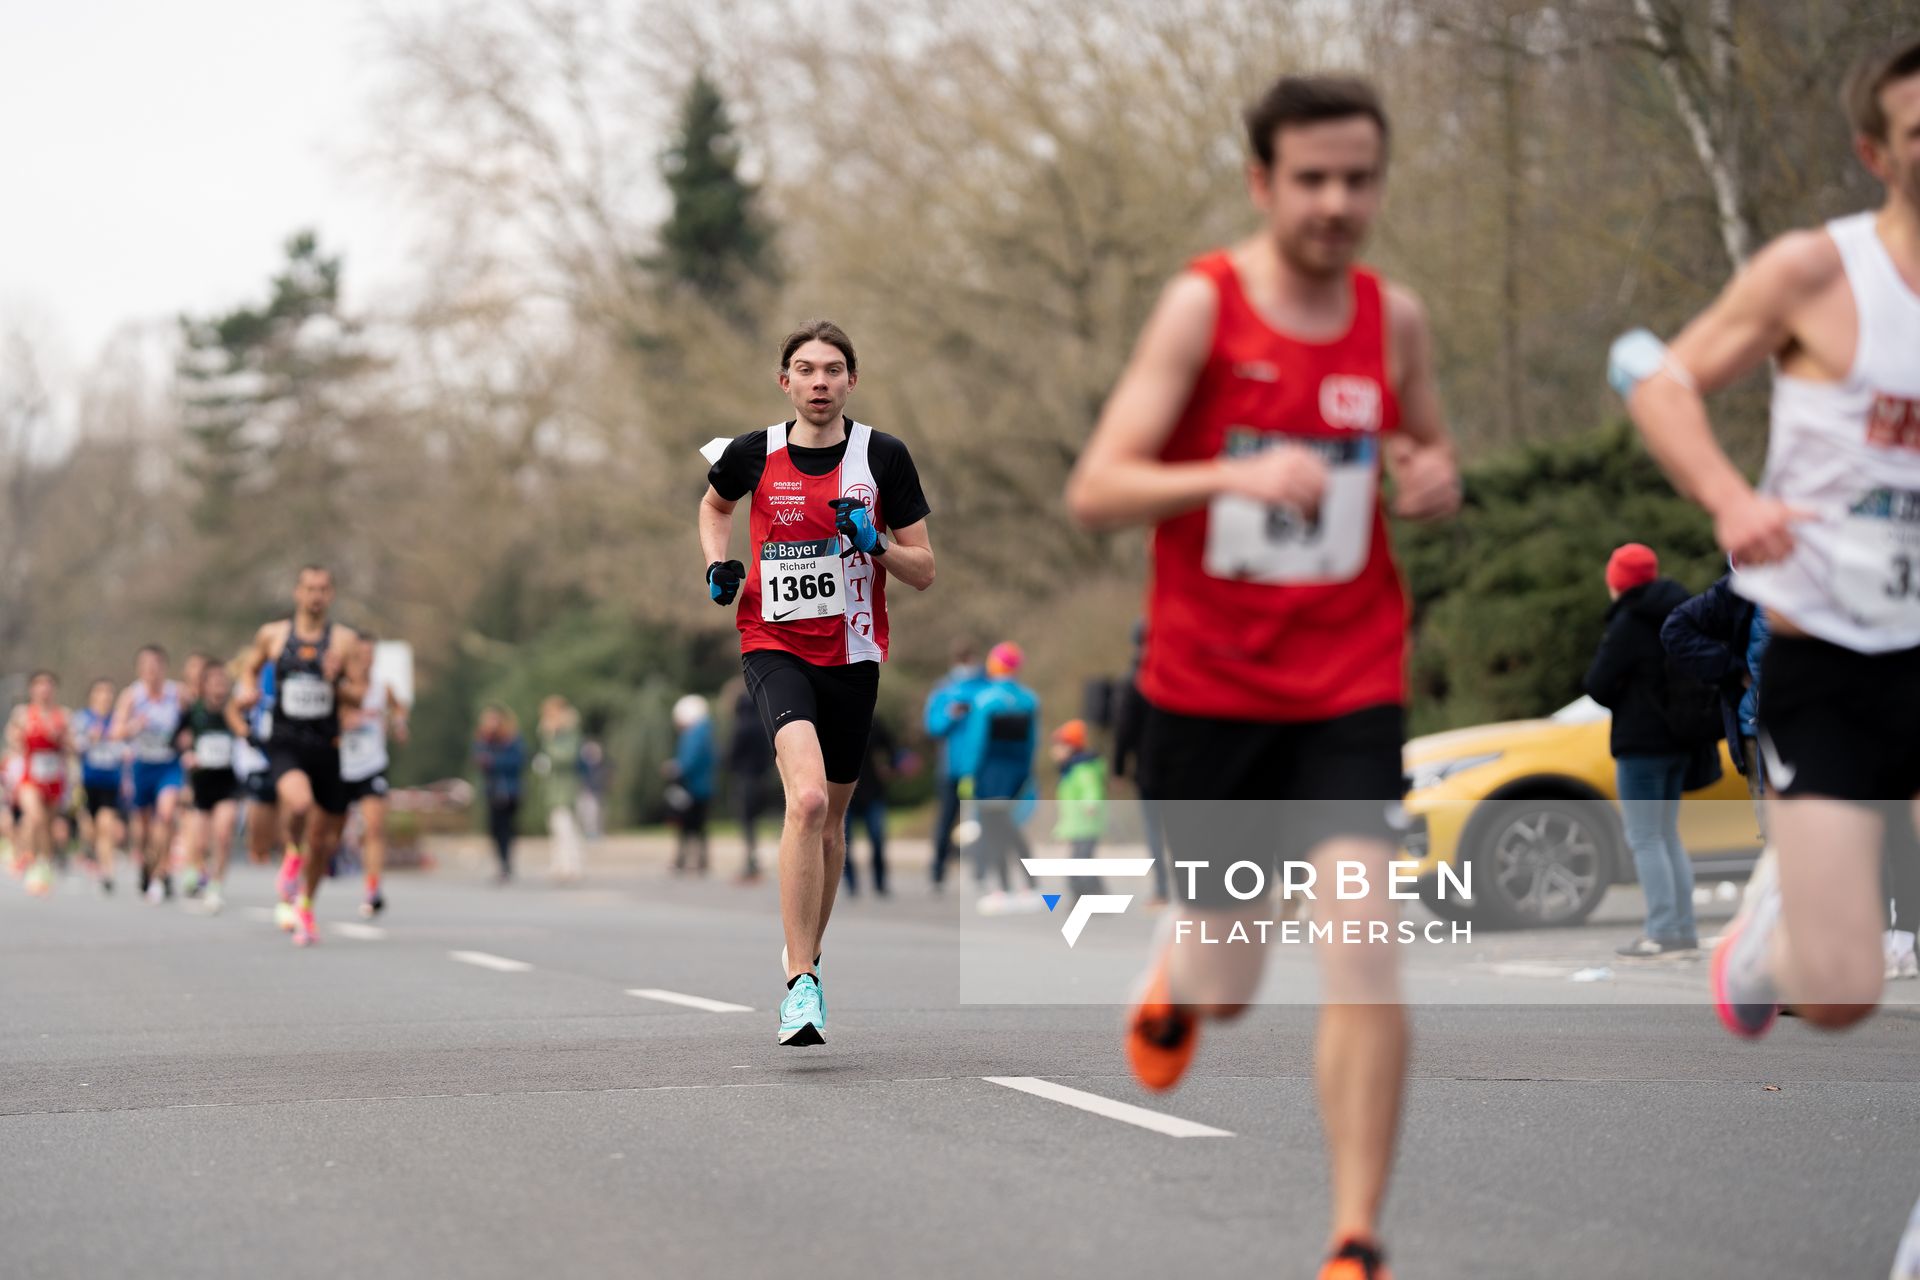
(690, 789)
(992, 755)
(501, 756)
(946, 711)
(1718, 637)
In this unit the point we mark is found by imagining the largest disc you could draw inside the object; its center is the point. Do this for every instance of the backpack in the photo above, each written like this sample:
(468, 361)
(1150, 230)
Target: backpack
(1691, 708)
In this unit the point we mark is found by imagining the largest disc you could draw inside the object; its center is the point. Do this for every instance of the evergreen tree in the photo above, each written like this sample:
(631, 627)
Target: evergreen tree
(714, 240)
(269, 406)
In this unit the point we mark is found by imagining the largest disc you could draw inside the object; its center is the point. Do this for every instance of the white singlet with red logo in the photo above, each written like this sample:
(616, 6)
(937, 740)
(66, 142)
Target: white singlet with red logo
(1849, 451)
(801, 595)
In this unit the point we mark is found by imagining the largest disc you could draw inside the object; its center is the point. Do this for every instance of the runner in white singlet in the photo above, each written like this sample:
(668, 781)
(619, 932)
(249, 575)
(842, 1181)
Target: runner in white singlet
(1830, 546)
(364, 759)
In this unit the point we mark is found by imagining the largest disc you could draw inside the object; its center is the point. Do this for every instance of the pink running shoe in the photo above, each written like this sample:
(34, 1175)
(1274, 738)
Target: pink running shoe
(290, 868)
(305, 932)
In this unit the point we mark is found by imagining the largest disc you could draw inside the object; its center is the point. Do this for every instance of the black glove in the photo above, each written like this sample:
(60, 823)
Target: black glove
(723, 580)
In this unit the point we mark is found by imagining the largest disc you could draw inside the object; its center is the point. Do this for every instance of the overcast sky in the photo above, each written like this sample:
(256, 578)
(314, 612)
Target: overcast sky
(155, 155)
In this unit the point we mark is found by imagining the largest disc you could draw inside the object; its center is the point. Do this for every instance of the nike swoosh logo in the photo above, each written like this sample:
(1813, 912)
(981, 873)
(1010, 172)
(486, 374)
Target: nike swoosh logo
(782, 617)
(1779, 772)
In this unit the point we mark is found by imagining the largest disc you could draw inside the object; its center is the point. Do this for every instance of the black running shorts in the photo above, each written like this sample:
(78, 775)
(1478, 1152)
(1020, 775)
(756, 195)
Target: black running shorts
(258, 788)
(213, 788)
(320, 761)
(374, 786)
(102, 798)
(1840, 724)
(837, 700)
(1254, 791)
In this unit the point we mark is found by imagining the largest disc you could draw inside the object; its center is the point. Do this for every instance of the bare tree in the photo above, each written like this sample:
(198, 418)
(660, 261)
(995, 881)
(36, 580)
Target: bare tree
(1703, 95)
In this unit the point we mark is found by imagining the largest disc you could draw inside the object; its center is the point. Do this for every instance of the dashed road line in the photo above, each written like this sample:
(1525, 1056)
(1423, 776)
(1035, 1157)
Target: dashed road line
(1124, 1112)
(692, 1002)
(499, 964)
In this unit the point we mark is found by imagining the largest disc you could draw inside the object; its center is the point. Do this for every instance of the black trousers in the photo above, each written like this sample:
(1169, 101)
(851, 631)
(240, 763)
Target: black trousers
(503, 813)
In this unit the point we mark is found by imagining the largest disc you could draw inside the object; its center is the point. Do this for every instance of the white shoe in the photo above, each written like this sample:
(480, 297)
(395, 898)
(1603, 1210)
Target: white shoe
(156, 892)
(1906, 1259)
(1898, 945)
(995, 903)
(213, 902)
(1028, 903)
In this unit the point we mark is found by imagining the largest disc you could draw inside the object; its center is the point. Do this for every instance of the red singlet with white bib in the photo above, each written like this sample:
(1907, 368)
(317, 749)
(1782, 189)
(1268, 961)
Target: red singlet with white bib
(800, 595)
(46, 764)
(1254, 613)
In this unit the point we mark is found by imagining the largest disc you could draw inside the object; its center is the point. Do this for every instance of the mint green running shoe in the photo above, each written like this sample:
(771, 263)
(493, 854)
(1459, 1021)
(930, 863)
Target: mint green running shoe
(819, 978)
(800, 1014)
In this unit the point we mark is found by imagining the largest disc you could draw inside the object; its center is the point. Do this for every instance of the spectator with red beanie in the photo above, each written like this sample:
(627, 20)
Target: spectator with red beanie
(1629, 677)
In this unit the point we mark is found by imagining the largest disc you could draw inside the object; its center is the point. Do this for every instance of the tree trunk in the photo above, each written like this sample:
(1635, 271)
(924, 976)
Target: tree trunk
(1705, 104)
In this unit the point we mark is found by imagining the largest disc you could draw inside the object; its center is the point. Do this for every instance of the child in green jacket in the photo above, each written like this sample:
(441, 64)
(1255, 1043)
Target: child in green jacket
(1082, 797)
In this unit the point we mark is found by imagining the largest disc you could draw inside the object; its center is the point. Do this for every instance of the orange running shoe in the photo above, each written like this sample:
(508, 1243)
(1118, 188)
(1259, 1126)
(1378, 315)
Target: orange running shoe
(1161, 1035)
(1356, 1260)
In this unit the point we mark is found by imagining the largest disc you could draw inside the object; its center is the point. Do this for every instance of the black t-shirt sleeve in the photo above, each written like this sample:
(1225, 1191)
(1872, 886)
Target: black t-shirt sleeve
(740, 465)
(899, 481)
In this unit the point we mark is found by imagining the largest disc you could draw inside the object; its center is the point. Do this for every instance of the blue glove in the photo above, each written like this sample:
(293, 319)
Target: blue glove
(723, 580)
(855, 524)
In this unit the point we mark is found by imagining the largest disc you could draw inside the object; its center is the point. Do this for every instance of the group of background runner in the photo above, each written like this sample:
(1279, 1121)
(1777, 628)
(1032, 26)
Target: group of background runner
(296, 729)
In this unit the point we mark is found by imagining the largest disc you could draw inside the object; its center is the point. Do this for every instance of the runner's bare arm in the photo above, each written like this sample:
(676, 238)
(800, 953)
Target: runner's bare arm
(16, 729)
(716, 525)
(1119, 479)
(121, 727)
(356, 666)
(246, 691)
(1747, 324)
(397, 717)
(236, 719)
(1420, 456)
(910, 557)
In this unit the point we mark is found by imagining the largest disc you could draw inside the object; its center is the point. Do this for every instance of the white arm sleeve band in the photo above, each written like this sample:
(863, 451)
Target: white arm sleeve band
(1636, 356)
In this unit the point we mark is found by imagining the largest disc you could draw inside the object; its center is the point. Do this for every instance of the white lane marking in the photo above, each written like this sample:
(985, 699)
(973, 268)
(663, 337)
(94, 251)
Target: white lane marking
(691, 1002)
(364, 932)
(1126, 1113)
(1528, 969)
(1077, 867)
(485, 961)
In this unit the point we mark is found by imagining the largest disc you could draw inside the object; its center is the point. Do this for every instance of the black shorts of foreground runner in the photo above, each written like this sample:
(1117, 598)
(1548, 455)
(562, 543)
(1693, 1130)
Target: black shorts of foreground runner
(320, 761)
(838, 701)
(1287, 788)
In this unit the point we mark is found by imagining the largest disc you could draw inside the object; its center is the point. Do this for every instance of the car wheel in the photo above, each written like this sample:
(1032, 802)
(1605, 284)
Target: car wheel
(1539, 863)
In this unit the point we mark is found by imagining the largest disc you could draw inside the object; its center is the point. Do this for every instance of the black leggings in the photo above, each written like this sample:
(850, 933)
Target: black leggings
(502, 814)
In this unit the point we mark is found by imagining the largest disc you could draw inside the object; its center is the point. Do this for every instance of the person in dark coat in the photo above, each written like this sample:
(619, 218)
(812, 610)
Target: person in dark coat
(868, 805)
(1629, 678)
(1719, 638)
(500, 754)
(750, 767)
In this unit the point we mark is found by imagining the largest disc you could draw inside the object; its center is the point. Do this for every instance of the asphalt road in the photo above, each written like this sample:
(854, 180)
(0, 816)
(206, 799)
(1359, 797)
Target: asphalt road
(183, 1095)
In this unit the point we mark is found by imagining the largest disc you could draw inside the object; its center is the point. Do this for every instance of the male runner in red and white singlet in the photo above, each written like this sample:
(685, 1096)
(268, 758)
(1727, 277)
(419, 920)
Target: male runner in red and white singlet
(836, 509)
(1249, 429)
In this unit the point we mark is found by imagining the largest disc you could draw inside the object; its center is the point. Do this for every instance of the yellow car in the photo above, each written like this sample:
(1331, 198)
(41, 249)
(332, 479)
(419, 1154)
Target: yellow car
(1532, 807)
